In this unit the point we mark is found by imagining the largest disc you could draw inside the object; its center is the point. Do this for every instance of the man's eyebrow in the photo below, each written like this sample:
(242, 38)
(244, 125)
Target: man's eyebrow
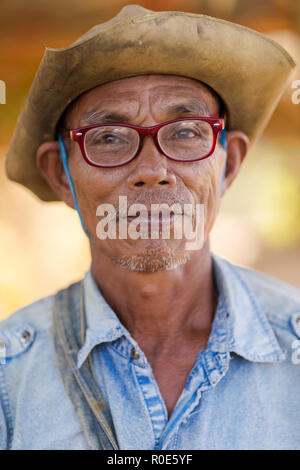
(191, 107)
(102, 116)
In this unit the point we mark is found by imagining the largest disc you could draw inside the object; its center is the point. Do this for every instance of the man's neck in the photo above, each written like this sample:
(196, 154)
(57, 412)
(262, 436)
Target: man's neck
(159, 309)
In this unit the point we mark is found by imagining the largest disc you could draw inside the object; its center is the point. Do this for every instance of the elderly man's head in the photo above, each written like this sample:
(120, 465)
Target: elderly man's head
(151, 177)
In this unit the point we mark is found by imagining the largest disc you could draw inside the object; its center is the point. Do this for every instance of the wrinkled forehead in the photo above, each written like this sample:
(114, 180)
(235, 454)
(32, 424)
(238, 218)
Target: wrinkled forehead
(166, 90)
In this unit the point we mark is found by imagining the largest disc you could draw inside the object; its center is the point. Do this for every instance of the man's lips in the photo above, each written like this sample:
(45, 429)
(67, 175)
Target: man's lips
(153, 214)
(160, 222)
(154, 221)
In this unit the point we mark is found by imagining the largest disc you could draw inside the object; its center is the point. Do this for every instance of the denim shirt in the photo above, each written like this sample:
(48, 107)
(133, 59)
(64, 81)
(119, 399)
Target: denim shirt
(242, 392)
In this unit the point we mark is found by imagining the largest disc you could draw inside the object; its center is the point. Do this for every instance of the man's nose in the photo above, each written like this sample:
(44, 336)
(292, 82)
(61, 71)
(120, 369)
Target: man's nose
(151, 168)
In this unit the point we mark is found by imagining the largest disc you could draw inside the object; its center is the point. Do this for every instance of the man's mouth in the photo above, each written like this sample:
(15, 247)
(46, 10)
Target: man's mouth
(158, 223)
(155, 221)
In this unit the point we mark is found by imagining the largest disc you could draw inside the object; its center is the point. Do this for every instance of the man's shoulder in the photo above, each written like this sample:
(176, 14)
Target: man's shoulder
(279, 300)
(271, 290)
(30, 324)
(30, 385)
(24, 328)
(37, 312)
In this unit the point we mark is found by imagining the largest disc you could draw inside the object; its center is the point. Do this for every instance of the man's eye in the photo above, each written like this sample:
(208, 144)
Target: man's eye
(185, 134)
(106, 139)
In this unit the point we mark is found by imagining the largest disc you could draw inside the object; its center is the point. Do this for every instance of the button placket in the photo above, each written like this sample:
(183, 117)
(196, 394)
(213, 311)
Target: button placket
(150, 391)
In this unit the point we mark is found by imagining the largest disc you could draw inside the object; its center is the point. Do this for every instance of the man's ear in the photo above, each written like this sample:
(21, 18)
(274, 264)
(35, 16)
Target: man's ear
(49, 162)
(237, 145)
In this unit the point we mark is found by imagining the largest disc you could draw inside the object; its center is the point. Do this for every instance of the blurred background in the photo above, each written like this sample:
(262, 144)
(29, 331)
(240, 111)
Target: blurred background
(42, 246)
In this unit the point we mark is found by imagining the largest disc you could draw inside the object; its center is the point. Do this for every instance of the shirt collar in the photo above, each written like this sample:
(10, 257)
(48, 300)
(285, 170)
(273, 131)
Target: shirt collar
(240, 325)
(102, 324)
(248, 331)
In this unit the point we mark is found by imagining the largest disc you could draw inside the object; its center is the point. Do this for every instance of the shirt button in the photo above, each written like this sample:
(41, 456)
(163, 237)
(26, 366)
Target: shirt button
(134, 354)
(26, 336)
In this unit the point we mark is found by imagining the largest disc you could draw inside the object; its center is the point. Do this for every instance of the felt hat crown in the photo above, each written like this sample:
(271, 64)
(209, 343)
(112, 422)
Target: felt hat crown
(247, 69)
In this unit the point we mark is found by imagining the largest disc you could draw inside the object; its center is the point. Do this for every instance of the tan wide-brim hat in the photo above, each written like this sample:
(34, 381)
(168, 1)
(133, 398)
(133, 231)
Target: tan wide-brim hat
(247, 69)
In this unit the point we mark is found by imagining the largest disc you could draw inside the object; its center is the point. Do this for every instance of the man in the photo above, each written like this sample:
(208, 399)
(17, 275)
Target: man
(160, 346)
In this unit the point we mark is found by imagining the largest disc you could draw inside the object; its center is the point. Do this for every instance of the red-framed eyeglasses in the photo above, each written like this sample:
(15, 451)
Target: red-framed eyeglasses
(113, 144)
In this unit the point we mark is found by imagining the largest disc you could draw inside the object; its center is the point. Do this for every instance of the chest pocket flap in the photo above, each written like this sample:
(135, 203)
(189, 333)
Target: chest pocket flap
(15, 341)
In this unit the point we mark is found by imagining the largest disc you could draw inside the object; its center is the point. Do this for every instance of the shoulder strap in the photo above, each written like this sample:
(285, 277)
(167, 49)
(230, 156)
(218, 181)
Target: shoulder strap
(80, 384)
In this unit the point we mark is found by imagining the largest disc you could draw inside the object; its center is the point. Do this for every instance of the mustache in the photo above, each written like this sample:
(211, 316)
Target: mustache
(147, 198)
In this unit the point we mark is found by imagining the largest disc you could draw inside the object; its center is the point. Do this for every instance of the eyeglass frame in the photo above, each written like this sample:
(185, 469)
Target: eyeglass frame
(78, 135)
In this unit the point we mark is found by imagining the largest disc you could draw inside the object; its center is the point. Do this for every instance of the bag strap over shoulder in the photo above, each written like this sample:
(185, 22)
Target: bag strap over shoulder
(80, 384)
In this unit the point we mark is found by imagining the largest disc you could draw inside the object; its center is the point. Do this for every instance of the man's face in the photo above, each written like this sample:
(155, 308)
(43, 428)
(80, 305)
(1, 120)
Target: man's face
(150, 178)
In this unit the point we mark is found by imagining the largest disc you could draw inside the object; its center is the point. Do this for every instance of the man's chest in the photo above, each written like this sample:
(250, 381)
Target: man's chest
(248, 408)
(171, 375)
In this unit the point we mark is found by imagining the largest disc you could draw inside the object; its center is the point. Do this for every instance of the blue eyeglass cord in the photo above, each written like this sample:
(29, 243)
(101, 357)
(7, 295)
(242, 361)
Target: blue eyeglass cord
(223, 143)
(64, 158)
